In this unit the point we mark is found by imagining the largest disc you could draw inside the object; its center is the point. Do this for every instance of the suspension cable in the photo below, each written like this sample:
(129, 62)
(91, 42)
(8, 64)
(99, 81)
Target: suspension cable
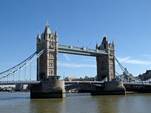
(30, 57)
(17, 67)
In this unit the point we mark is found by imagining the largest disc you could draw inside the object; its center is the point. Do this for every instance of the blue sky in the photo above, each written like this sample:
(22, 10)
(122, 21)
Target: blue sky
(81, 23)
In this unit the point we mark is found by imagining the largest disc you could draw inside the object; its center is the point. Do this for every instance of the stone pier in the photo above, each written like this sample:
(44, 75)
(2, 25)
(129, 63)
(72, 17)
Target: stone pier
(52, 88)
(110, 88)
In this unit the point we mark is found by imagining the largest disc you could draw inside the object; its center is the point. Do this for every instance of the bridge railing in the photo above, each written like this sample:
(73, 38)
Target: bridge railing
(19, 82)
(98, 82)
(138, 82)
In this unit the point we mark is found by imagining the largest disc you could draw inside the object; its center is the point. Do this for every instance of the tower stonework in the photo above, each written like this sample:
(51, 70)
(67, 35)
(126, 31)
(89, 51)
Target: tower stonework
(50, 86)
(105, 63)
(47, 62)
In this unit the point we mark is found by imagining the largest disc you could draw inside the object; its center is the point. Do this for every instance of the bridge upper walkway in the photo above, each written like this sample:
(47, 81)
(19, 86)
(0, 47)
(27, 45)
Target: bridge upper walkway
(80, 50)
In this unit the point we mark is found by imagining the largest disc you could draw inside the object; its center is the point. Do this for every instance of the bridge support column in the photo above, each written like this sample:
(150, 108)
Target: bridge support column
(51, 88)
(111, 88)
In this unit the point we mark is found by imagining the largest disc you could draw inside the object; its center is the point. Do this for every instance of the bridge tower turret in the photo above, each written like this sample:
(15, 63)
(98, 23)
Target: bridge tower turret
(106, 63)
(47, 62)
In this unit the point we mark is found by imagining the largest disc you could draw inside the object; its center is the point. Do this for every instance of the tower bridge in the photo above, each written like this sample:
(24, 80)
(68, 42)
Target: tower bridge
(47, 83)
(47, 62)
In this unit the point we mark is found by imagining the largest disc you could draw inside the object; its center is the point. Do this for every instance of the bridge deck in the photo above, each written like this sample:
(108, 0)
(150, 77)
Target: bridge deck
(80, 51)
(137, 83)
(70, 82)
(18, 82)
(90, 82)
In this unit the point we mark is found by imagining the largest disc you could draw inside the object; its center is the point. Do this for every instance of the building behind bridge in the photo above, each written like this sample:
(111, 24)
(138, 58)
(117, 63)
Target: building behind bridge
(85, 78)
(145, 76)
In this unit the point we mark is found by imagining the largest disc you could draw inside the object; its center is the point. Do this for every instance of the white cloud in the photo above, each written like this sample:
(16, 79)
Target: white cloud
(129, 60)
(148, 56)
(76, 65)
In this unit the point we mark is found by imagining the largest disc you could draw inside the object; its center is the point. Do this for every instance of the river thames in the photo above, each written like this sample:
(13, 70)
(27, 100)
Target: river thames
(75, 103)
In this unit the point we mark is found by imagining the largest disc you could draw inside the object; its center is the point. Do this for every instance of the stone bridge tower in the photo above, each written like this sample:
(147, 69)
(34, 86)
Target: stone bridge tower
(47, 62)
(105, 63)
(50, 86)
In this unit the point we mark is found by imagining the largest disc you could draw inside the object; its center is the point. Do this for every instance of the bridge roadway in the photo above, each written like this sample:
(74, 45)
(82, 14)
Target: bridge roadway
(80, 51)
(137, 83)
(19, 82)
(90, 82)
(37, 82)
(71, 82)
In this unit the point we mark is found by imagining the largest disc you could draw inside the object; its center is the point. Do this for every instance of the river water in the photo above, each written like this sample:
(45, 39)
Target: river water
(75, 103)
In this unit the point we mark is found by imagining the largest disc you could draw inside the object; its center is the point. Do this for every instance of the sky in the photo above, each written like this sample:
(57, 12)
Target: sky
(81, 23)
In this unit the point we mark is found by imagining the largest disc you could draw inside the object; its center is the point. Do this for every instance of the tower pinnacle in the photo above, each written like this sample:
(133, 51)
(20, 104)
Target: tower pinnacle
(47, 29)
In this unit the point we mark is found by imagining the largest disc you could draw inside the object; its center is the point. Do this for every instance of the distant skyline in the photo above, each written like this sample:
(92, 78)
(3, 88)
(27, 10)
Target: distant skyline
(81, 23)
